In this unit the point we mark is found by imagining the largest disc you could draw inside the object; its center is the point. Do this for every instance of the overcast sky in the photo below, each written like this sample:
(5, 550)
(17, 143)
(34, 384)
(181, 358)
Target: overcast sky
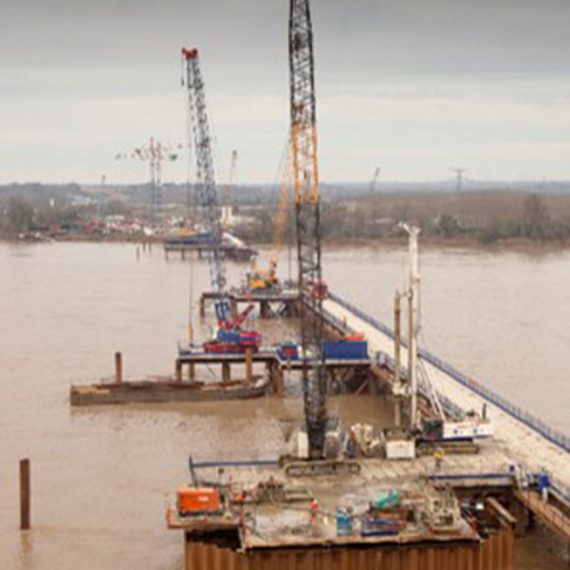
(415, 86)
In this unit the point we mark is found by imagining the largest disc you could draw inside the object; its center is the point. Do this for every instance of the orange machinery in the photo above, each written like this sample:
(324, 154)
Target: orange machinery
(198, 501)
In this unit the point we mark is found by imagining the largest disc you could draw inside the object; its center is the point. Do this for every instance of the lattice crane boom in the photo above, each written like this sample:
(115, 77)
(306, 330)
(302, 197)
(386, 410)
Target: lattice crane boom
(306, 192)
(155, 153)
(208, 195)
(282, 211)
(228, 194)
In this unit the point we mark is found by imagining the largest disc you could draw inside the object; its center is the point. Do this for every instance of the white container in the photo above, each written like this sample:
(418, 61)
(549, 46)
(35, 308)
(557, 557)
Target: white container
(302, 445)
(400, 449)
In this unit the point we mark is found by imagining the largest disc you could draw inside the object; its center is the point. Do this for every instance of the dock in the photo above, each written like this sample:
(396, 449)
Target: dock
(275, 303)
(341, 371)
(234, 249)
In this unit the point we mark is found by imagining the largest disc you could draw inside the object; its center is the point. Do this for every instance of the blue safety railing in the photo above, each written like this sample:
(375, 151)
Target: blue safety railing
(521, 415)
(382, 358)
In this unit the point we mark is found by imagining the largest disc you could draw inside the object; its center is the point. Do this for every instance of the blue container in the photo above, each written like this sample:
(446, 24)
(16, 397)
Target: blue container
(227, 336)
(343, 523)
(289, 351)
(345, 350)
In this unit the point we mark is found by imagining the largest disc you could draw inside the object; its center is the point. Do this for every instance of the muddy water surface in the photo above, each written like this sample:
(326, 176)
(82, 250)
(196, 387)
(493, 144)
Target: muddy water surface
(102, 477)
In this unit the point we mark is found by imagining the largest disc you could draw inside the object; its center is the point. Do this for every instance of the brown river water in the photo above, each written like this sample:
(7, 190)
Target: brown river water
(101, 478)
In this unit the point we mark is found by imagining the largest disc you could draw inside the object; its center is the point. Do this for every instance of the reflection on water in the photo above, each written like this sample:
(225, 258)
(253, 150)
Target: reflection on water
(101, 477)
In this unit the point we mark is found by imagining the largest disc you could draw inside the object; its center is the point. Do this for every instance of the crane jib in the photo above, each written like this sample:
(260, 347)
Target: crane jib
(303, 134)
(208, 194)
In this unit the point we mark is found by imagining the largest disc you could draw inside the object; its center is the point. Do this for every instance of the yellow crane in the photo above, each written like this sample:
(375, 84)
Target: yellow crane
(265, 279)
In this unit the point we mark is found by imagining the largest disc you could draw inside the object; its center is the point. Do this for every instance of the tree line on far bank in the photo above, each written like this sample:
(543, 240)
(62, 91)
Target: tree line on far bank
(483, 216)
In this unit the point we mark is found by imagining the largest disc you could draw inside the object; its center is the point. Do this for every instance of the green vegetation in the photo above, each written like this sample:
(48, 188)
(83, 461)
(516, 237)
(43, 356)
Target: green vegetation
(485, 217)
(472, 217)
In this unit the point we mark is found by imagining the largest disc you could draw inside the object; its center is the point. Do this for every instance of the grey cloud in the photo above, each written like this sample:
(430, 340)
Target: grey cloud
(363, 35)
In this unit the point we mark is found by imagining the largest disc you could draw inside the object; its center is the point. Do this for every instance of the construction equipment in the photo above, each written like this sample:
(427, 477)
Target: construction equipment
(207, 191)
(230, 337)
(459, 172)
(155, 152)
(265, 280)
(209, 198)
(193, 501)
(440, 428)
(229, 191)
(442, 511)
(307, 213)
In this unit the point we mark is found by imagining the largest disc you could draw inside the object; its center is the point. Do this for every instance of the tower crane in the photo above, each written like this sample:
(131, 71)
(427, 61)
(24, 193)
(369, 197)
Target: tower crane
(374, 181)
(307, 213)
(155, 153)
(459, 172)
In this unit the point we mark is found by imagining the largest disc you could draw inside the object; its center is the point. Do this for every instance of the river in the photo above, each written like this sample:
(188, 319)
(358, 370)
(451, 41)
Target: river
(102, 477)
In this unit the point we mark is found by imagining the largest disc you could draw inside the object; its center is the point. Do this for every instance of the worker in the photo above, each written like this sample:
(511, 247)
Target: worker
(438, 456)
(543, 482)
(313, 517)
(351, 449)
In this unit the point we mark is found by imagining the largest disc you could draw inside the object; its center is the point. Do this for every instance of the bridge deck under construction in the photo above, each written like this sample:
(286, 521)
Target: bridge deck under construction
(527, 440)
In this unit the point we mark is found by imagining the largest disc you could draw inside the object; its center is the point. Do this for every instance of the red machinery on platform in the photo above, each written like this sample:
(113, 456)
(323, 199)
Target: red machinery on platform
(230, 337)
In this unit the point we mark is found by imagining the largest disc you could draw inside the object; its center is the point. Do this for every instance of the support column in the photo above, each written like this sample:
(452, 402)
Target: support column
(226, 372)
(178, 371)
(331, 381)
(248, 366)
(521, 514)
(277, 378)
(191, 372)
(397, 360)
(25, 495)
(412, 360)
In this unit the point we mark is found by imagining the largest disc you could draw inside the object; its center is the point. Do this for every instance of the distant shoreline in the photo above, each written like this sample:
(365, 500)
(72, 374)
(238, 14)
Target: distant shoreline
(516, 245)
